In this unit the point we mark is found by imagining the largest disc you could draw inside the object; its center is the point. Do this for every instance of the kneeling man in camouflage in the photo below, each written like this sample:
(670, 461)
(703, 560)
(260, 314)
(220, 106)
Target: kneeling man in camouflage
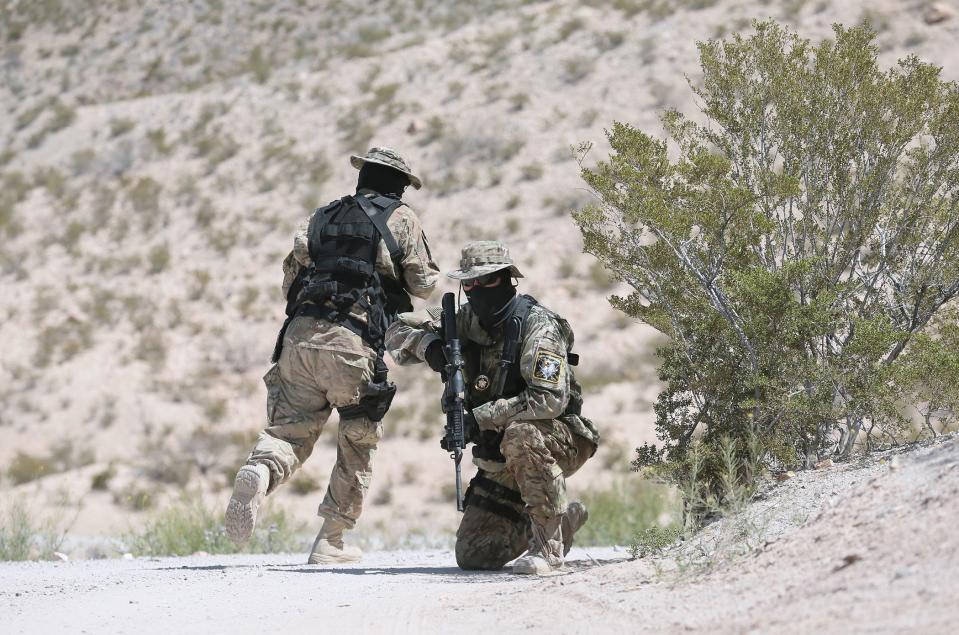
(524, 414)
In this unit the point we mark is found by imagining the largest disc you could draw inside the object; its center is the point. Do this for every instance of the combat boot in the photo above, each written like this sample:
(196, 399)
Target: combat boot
(328, 548)
(575, 517)
(249, 488)
(545, 554)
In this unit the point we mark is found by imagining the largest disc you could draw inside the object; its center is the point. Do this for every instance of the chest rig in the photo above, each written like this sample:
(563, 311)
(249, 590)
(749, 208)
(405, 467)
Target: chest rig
(343, 242)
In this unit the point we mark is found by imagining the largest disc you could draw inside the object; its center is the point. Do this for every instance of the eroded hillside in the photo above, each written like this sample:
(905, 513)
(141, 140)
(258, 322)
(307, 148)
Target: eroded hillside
(156, 158)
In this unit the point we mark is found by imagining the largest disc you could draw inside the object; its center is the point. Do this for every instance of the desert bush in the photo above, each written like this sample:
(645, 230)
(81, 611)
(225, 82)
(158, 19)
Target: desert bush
(13, 190)
(100, 481)
(654, 540)
(119, 127)
(435, 127)
(26, 467)
(608, 40)
(531, 171)
(151, 347)
(189, 526)
(259, 65)
(158, 258)
(24, 536)
(619, 512)
(158, 140)
(144, 196)
(577, 68)
(803, 239)
(304, 484)
(355, 131)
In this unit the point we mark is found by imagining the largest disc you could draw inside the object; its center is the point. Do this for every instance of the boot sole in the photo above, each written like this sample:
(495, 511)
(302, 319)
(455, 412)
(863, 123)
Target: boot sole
(523, 568)
(240, 517)
(318, 558)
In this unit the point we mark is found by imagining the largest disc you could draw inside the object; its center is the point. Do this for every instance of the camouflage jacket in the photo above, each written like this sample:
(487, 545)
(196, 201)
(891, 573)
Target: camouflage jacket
(419, 273)
(550, 382)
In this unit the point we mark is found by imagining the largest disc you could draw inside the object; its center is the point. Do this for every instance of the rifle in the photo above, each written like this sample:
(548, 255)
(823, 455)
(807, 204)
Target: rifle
(454, 393)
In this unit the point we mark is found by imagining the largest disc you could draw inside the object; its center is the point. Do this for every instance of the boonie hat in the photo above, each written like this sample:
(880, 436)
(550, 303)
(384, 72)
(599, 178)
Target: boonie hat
(389, 158)
(482, 257)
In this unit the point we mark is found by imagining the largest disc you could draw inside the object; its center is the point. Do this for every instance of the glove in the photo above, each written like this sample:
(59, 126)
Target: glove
(471, 431)
(487, 446)
(435, 357)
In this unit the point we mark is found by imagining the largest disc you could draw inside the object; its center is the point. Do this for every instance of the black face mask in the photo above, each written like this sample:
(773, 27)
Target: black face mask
(382, 179)
(492, 305)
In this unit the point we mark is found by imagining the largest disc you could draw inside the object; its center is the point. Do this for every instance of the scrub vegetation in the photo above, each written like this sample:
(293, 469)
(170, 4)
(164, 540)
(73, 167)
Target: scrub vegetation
(801, 252)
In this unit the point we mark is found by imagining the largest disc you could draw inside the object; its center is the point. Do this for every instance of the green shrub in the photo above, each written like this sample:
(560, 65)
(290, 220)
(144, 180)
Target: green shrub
(157, 138)
(101, 480)
(144, 196)
(26, 537)
(159, 258)
(26, 467)
(531, 171)
(189, 526)
(259, 65)
(304, 484)
(119, 127)
(619, 512)
(773, 270)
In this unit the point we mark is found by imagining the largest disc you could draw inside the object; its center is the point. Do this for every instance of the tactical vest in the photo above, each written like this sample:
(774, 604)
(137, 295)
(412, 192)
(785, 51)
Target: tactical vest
(343, 242)
(480, 390)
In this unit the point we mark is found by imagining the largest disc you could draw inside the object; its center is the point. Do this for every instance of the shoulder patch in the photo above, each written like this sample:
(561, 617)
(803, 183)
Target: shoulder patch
(547, 367)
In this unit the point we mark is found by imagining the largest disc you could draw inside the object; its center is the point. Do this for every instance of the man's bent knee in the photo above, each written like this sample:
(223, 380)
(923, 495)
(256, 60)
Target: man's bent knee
(485, 555)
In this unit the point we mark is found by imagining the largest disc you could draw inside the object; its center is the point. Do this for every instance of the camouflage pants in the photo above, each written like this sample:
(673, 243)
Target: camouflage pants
(539, 457)
(322, 367)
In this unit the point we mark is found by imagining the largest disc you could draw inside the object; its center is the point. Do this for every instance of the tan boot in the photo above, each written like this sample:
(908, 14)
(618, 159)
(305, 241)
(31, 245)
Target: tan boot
(328, 548)
(249, 488)
(575, 517)
(545, 554)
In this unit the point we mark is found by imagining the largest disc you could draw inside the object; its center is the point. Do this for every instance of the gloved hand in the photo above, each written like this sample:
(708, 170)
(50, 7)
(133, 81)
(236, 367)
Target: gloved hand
(487, 446)
(471, 431)
(435, 357)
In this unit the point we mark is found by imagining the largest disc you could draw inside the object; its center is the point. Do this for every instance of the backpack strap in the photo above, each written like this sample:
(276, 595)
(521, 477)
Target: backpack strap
(379, 211)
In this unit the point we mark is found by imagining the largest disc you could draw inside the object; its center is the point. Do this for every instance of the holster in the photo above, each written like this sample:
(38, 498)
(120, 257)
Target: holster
(375, 397)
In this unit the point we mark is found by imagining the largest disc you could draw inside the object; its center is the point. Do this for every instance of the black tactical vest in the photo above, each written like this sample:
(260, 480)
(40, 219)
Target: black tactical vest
(343, 240)
(481, 378)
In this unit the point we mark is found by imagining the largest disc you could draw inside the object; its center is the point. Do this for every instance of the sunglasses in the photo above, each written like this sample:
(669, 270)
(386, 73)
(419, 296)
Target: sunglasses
(489, 280)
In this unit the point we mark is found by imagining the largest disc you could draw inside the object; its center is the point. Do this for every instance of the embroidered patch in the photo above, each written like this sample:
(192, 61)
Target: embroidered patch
(482, 383)
(547, 367)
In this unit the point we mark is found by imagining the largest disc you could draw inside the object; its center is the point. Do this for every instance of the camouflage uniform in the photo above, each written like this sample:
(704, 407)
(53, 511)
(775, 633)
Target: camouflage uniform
(324, 366)
(542, 441)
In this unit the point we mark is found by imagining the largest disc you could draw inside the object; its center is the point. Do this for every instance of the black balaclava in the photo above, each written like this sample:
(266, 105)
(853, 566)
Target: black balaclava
(383, 179)
(492, 305)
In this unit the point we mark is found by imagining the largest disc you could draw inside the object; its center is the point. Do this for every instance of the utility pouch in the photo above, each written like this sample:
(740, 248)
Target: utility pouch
(374, 404)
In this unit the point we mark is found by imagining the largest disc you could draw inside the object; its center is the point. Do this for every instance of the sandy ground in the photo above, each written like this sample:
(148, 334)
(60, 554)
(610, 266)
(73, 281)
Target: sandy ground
(864, 547)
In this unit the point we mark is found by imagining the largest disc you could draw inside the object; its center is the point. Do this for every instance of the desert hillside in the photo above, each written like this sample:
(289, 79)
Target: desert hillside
(156, 157)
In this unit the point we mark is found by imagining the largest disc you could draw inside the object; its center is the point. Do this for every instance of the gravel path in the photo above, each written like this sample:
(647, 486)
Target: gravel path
(864, 547)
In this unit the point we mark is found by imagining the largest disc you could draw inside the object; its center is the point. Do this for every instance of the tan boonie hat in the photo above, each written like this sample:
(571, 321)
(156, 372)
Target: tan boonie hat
(481, 257)
(389, 158)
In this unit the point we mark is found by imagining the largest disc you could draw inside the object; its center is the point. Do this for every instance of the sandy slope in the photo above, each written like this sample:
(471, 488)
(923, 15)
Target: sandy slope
(867, 548)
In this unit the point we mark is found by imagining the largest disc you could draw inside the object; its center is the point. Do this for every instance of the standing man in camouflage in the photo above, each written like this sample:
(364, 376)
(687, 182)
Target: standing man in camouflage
(529, 435)
(353, 267)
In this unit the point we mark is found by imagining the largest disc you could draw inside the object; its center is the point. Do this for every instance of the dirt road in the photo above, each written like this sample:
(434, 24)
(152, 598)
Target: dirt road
(867, 546)
(411, 591)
